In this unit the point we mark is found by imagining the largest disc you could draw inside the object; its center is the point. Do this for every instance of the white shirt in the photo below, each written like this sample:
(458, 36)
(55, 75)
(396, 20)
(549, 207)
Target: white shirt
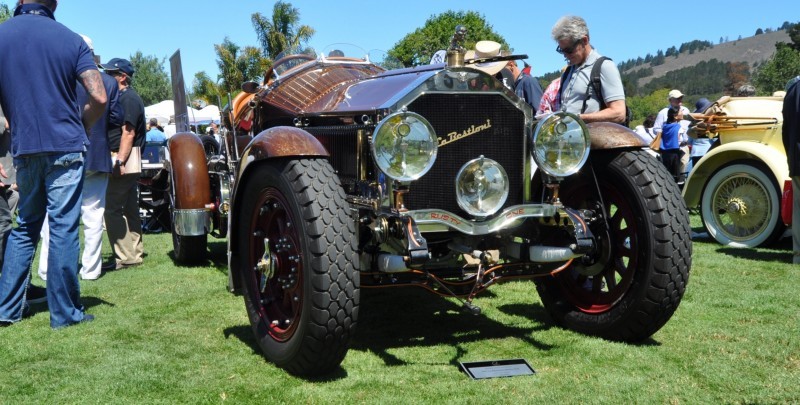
(661, 119)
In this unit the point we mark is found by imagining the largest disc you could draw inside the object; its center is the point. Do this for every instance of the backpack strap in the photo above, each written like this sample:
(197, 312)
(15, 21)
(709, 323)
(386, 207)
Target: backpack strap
(564, 76)
(594, 84)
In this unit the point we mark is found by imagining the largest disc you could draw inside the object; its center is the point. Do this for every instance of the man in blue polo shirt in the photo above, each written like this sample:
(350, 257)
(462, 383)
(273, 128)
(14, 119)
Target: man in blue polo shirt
(48, 139)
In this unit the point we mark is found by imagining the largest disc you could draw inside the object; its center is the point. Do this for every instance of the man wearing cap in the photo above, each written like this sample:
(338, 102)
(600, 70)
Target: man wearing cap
(791, 142)
(39, 96)
(675, 98)
(575, 95)
(95, 183)
(123, 222)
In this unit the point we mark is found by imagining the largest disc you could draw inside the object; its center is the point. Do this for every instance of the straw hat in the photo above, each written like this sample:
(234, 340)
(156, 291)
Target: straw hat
(486, 49)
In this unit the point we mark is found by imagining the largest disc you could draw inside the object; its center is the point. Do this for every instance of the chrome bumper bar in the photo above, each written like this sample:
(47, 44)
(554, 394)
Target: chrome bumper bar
(191, 222)
(441, 221)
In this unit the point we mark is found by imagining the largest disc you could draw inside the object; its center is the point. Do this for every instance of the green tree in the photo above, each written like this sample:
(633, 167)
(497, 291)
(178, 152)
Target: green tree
(282, 32)
(418, 47)
(203, 88)
(774, 73)
(5, 13)
(643, 106)
(150, 79)
(237, 65)
(794, 35)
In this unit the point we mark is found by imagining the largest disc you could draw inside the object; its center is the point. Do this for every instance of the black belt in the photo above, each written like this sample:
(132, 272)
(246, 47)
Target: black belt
(684, 144)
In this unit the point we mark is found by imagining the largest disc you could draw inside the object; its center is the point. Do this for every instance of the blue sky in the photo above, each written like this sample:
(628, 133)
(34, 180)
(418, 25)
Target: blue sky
(620, 30)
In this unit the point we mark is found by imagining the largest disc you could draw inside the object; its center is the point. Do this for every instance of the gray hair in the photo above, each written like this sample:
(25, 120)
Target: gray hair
(570, 27)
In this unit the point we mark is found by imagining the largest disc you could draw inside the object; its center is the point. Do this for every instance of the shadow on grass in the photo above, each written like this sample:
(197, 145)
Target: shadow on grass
(780, 251)
(216, 256)
(87, 301)
(406, 317)
(245, 334)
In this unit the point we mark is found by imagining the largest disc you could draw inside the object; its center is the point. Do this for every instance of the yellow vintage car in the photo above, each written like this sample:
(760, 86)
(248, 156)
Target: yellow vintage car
(738, 185)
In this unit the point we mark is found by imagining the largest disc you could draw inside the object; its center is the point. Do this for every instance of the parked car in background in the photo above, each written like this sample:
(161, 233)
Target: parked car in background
(739, 184)
(337, 175)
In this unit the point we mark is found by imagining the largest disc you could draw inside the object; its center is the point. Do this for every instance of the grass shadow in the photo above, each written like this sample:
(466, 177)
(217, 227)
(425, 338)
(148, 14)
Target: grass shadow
(407, 317)
(216, 256)
(245, 335)
(780, 251)
(87, 301)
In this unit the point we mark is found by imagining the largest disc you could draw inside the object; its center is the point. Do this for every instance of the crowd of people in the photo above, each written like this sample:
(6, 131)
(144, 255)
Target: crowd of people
(668, 133)
(64, 166)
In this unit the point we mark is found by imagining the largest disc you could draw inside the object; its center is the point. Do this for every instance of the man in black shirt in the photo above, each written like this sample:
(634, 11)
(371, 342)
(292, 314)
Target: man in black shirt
(123, 222)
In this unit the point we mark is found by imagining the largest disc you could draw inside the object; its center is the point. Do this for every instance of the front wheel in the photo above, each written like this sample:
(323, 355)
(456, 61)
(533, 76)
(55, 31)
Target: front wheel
(740, 206)
(634, 282)
(297, 246)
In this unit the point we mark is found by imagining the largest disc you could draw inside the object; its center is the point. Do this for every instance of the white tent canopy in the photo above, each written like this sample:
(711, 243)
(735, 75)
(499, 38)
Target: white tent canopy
(205, 116)
(165, 110)
(162, 111)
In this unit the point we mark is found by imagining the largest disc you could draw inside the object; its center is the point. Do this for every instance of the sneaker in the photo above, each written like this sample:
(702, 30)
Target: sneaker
(36, 294)
(86, 318)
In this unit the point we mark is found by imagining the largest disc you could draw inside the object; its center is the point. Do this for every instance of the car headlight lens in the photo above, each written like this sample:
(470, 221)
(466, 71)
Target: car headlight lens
(561, 144)
(404, 146)
(481, 187)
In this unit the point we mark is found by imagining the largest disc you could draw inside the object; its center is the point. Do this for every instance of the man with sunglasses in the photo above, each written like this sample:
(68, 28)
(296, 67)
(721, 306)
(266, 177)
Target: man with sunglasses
(577, 95)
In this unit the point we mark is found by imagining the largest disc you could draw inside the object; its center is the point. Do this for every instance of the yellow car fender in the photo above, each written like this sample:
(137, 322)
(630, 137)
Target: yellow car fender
(719, 156)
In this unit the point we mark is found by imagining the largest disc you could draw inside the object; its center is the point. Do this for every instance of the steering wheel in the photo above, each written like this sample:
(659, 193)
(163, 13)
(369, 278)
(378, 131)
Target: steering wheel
(285, 59)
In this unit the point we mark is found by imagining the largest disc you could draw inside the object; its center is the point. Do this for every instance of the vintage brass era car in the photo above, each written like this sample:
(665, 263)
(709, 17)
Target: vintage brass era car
(739, 184)
(337, 175)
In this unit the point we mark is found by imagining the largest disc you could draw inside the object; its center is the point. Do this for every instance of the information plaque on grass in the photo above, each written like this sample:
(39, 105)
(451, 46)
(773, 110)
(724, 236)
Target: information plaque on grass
(497, 368)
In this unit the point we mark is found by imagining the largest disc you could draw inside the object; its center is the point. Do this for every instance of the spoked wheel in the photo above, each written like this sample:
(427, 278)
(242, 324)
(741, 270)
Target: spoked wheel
(297, 246)
(741, 206)
(635, 280)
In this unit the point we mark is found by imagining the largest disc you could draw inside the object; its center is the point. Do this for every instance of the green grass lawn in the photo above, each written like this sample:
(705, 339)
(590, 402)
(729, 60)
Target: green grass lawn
(171, 334)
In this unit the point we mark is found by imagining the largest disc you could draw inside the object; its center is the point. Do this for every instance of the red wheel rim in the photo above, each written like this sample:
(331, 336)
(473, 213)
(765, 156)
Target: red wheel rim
(597, 287)
(278, 287)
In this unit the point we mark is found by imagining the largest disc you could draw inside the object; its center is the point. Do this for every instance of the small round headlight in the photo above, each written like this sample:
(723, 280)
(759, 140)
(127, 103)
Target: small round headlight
(404, 146)
(481, 187)
(561, 144)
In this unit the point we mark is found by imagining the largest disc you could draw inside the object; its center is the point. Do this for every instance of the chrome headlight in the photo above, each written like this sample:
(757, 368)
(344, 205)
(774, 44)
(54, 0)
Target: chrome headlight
(561, 144)
(404, 146)
(481, 187)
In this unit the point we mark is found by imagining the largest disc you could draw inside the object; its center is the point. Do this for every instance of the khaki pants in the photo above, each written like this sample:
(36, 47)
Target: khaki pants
(123, 223)
(685, 161)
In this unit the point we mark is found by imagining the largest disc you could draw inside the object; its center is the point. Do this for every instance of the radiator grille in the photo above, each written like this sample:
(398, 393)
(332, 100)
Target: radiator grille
(457, 113)
(341, 141)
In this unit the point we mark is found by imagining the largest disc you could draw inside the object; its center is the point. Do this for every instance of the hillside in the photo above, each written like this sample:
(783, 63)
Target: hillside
(752, 50)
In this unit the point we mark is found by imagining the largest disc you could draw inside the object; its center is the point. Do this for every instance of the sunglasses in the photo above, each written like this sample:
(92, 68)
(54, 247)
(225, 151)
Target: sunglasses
(570, 50)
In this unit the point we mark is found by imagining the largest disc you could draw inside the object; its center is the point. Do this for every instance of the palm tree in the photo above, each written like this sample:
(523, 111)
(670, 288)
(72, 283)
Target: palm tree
(238, 65)
(282, 32)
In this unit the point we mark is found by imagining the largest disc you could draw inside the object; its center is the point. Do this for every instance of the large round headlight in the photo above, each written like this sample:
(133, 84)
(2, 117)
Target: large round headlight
(404, 146)
(561, 144)
(481, 187)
